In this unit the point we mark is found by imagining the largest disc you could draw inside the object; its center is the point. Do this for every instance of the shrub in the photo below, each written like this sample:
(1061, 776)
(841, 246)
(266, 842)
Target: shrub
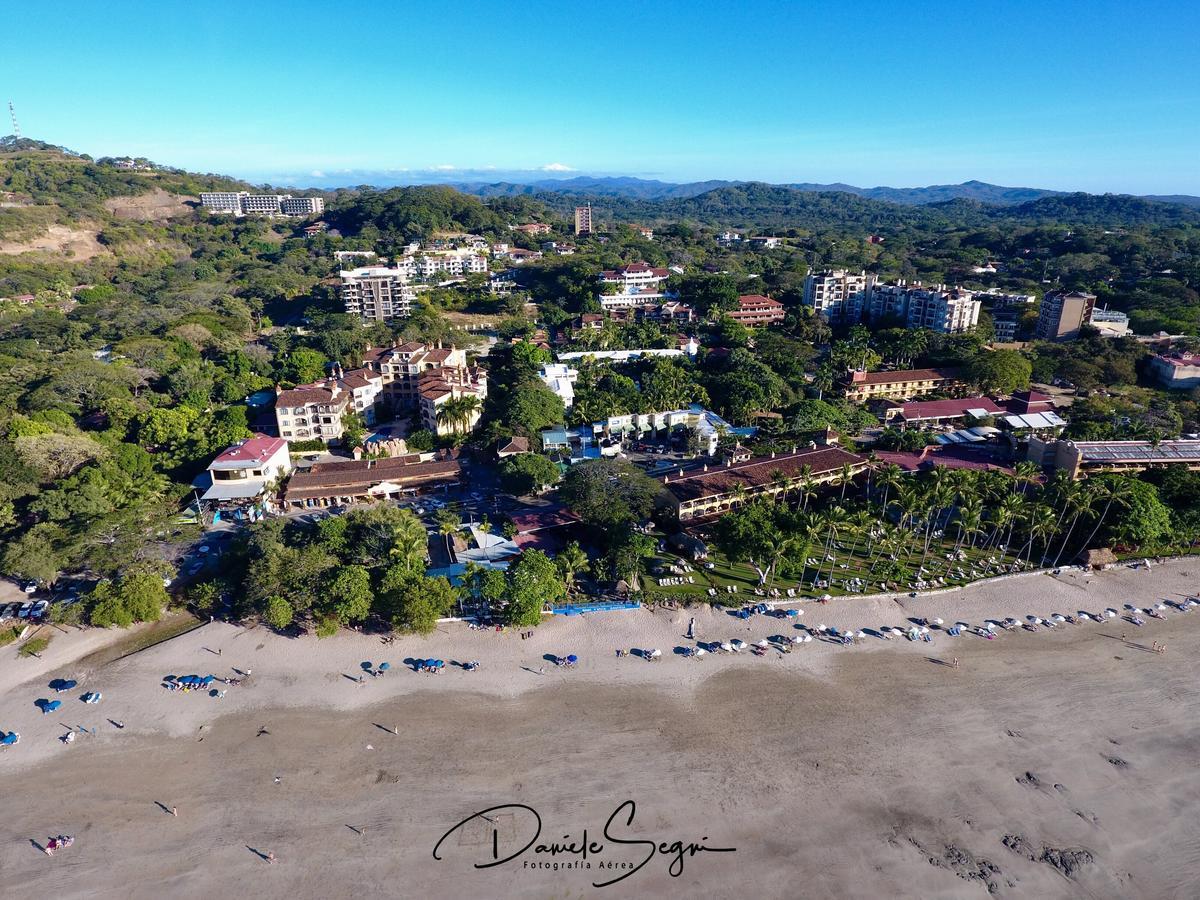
(34, 647)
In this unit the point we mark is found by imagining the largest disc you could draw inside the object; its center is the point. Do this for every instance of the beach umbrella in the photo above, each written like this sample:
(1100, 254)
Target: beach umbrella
(572, 659)
(383, 667)
(763, 643)
(798, 639)
(700, 651)
(431, 663)
(207, 680)
(924, 631)
(826, 596)
(65, 685)
(1161, 607)
(937, 622)
(441, 664)
(1112, 614)
(807, 638)
(726, 646)
(792, 613)
(51, 706)
(9, 739)
(1058, 618)
(655, 653)
(820, 628)
(991, 626)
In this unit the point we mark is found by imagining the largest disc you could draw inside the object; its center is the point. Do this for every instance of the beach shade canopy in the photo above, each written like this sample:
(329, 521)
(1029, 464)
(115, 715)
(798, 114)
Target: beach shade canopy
(383, 667)
(9, 739)
(991, 626)
(572, 658)
(820, 628)
(65, 685)
(439, 663)
(700, 651)
(827, 596)
(792, 613)
(937, 621)
(431, 663)
(208, 679)
(807, 638)
(656, 653)
(51, 706)
(763, 643)
(1161, 607)
(725, 645)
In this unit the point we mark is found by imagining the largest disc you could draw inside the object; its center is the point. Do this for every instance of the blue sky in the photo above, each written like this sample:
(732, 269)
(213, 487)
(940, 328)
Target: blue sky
(1098, 96)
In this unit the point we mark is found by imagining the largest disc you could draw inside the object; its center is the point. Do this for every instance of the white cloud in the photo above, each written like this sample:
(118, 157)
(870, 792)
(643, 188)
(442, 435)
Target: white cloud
(556, 167)
(444, 168)
(316, 173)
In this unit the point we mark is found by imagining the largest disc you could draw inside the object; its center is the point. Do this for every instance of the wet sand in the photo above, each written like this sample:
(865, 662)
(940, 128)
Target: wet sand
(884, 773)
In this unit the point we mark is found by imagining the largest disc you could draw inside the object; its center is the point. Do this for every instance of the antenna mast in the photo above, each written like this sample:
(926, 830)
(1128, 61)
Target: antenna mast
(13, 114)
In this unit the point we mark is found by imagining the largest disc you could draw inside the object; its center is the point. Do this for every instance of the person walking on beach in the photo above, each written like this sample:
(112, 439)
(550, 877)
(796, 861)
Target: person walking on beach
(270, 856)
(955, 663)
(175, 811)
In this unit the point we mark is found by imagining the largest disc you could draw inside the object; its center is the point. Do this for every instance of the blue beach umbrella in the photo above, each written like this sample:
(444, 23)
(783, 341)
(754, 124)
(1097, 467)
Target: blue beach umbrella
(383, 667)
(51, 706)
(572, 659)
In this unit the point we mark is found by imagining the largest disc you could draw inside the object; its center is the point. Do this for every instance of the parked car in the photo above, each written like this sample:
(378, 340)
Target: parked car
(25, 610)
(29, 587)
(8, 611)
(39, 609)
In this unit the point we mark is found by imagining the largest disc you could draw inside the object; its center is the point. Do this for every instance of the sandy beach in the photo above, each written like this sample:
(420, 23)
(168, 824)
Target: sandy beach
(1046, 764)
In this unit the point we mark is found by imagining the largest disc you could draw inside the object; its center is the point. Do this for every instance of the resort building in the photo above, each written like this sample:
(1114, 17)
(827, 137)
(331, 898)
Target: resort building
(936, 307)
(837, 295)
(636, 284)
(766, 243)
(312, 412)
(756, 311)
(712, 490)
(1062, 313)
(941, 412)
(900, 385)
(1176, 371)
(451, 262)
(531, 228)
(341, 483)
(249, 469)
(378, 293)
(944, 311)
(1083, 458)
(243, 203)
(438, 387)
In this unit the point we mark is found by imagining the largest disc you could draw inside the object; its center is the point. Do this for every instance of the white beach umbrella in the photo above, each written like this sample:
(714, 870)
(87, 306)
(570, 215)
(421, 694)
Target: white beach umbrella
(700, 651)
(991, 626)
(1161, 607)
(1058, 618)
(656, 653)
(726, 646)
(764, 643)
(937, 622)
(1112, 613)
(924, 631)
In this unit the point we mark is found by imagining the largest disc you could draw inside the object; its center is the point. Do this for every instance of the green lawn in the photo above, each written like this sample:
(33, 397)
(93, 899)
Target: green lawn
(851, 553)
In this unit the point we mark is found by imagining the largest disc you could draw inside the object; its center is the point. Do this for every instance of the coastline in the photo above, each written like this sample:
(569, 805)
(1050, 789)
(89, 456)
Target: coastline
(307, 672)
(1055, 764)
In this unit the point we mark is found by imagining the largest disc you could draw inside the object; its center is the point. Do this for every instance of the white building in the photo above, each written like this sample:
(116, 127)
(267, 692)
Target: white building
(378, 293)
(637, 284)
(243, 203)
(560, 379)
(948, 312)
(451, 262)
(836, 294)
(1109, 322)
(248, 469)
(936, 307)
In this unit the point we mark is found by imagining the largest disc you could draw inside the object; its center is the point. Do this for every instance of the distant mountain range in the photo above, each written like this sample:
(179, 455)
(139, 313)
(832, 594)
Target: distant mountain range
(632, 188)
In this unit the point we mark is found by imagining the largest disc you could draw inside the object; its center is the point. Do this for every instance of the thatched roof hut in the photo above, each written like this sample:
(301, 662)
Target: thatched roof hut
(1097, 559)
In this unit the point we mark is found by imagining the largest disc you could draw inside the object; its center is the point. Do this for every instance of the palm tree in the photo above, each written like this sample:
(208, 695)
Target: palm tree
(889, 476)
(1081, 503)
(834, 520)
(1026, 473)
(779, 482)
(1110, 492)
(846, 476)
(468, 407)
(486, 528)
(1040, 523)
(571, 561)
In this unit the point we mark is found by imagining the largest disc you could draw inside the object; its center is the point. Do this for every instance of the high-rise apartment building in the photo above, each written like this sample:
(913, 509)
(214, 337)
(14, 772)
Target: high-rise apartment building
(936, 307)
(583, 219)
(1062, 313)
(377, 293)
(837, 295)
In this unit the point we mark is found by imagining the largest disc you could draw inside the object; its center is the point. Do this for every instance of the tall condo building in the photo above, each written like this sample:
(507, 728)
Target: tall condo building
(837, 295)
(583, 219)
(377, 293)
(1062, 313)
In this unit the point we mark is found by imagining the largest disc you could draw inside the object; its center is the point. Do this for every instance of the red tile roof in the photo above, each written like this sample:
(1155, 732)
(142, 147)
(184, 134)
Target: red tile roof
(946, 409)
(697, 483)
(904, 375)
(258, 449)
